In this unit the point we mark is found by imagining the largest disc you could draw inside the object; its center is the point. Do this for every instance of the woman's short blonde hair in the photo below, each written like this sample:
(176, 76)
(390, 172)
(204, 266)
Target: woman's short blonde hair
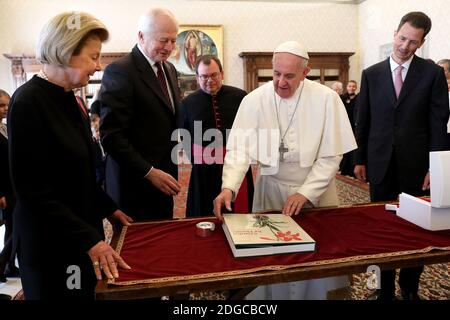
(64, 36)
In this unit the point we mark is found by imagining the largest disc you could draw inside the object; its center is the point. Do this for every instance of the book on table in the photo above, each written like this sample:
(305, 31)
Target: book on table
(259, 234)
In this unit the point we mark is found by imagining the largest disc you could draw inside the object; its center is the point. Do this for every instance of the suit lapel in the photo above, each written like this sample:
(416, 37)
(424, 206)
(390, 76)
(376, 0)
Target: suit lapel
(149, 76)
(386, 83)
(173, 85)
(411, 80)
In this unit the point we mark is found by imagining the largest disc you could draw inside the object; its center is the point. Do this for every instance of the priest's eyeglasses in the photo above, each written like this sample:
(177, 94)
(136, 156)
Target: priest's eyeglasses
(213, 76)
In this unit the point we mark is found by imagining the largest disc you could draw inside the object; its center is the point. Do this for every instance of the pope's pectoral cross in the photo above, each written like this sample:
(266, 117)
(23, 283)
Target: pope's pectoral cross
(282, 149)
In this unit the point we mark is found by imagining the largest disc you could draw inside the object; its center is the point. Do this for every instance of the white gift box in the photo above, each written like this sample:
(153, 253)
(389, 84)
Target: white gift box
(440, 179)
(422, 213)
(434, 215)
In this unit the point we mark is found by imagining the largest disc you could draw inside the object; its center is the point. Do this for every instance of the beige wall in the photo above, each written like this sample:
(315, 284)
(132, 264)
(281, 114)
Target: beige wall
(378, 19)
(248, 26)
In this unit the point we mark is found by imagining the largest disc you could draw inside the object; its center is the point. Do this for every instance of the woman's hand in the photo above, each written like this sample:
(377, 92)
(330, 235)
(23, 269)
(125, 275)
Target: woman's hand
(105, 258)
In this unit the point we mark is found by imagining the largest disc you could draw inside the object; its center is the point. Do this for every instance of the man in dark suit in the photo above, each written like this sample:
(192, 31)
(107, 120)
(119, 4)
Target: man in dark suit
(445, 64)
(139, 104)
(402, 116)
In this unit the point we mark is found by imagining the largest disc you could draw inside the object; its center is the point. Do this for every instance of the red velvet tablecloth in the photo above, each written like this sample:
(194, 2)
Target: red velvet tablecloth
(170, 250)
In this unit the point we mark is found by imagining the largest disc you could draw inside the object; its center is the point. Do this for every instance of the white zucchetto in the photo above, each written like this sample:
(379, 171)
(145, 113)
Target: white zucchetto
(294, 48)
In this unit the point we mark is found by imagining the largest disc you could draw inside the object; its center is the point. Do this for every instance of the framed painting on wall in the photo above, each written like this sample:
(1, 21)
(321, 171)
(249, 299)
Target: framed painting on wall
(192, 42)
(385, 51)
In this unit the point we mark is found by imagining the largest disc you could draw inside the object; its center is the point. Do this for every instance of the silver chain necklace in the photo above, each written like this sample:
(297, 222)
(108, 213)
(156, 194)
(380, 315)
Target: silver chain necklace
(282, 149)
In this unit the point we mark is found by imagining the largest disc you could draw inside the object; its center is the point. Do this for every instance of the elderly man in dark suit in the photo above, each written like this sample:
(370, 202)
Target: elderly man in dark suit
(139, 104)
(402, 116)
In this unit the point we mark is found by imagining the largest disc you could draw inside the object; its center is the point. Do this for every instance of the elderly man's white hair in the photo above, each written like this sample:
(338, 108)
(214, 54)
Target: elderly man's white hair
(147, 22)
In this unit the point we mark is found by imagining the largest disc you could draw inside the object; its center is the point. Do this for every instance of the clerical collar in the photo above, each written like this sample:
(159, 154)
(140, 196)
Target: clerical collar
(215, 94)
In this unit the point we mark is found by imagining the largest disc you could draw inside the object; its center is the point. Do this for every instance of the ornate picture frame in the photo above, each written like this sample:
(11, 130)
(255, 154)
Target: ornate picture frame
(193, 41)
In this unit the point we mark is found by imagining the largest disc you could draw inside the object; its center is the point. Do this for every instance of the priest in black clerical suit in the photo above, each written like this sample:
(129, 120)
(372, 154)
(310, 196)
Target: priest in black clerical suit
(213, 106)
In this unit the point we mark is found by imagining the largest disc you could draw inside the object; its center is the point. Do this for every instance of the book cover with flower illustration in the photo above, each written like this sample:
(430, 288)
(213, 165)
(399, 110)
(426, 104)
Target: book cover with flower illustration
(265, 234)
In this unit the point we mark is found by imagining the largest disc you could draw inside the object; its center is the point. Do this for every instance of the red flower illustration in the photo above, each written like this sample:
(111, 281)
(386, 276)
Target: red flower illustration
(287, 236)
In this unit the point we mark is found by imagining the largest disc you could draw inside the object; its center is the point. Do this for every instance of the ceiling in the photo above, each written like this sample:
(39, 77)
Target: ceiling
(299, 1)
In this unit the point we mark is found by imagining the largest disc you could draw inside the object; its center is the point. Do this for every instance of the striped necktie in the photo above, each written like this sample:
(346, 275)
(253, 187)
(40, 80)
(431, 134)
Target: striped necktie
(3, 130)
(163, 83)
(82, 107)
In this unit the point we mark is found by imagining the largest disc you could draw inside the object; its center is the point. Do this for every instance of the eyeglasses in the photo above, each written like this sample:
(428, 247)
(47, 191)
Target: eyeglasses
(214, 76)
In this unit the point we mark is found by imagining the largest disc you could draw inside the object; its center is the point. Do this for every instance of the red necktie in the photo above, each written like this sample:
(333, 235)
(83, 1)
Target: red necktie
(163, 83)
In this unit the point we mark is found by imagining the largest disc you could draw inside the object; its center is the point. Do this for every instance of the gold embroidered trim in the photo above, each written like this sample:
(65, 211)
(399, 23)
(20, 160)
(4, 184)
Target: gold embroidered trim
(230, 273)
(225, 274)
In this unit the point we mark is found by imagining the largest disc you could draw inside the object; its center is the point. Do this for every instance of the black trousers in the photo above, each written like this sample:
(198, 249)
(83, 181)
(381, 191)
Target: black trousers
(387, 190)
(50, 279)
(7, 256)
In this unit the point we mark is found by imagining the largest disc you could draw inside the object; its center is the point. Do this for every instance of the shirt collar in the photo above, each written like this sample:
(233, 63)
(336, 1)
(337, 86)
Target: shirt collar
(152, 63)
(405, 65)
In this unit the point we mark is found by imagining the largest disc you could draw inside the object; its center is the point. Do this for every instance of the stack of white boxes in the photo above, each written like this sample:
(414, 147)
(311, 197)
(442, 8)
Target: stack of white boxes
(435, 214)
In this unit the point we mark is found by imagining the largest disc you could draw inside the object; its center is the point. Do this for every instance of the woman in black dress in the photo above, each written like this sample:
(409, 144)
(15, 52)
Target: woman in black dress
(58, 216)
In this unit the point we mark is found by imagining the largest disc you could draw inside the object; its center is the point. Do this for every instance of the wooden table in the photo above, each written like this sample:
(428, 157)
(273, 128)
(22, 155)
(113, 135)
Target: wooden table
(252, 280)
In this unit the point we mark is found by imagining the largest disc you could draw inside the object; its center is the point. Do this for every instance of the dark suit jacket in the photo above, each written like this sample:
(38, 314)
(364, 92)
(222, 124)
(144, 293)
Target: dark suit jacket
(5, 181)
(59, 210)
(136, 129)
(411, 126)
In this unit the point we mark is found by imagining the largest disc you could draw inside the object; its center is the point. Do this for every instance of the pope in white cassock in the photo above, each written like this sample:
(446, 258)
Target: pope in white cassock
(296, 130)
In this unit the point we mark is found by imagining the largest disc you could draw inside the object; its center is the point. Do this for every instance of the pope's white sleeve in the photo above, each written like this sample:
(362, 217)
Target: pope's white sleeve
(237, 160)
(318, 179)
(241, 143)
(232, 176)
